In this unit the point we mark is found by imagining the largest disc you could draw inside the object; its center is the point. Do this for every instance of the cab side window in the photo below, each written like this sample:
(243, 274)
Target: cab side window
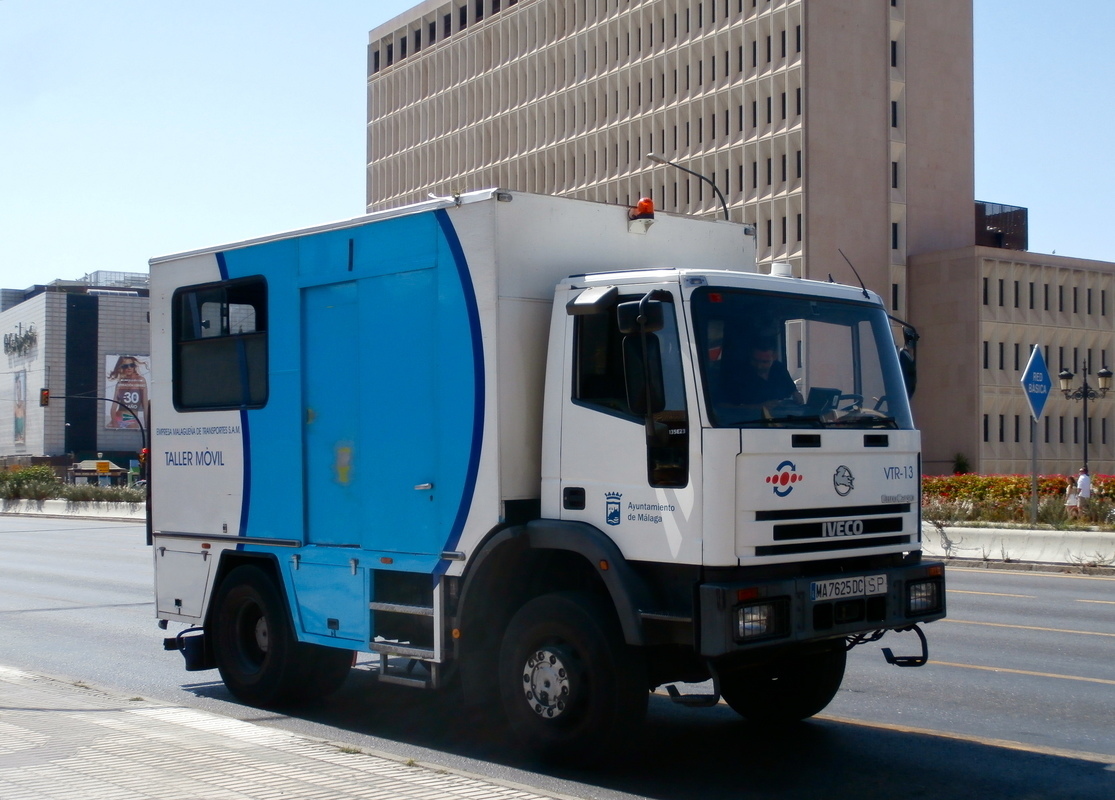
(599, 382)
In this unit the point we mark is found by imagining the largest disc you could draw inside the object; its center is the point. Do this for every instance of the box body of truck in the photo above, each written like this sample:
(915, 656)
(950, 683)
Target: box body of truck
(428, 433)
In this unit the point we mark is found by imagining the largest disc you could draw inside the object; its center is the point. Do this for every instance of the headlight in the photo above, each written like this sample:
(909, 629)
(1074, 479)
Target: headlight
(763, 620)
(923, 597)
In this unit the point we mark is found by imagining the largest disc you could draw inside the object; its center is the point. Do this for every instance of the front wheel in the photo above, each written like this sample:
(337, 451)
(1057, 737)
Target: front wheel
(788, 689)
(572, 690)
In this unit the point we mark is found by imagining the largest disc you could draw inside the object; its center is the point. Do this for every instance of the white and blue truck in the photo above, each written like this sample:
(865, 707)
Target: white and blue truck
(514, 444)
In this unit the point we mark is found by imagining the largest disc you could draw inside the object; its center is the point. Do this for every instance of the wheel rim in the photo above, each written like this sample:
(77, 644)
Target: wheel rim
(546, 683)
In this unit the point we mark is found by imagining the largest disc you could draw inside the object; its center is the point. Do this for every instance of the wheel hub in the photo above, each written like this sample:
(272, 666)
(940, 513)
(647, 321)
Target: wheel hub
(261, 635)
(546, 683)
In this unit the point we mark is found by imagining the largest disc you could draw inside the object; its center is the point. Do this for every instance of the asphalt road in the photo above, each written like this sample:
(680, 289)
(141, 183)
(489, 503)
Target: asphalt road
(1018, 700)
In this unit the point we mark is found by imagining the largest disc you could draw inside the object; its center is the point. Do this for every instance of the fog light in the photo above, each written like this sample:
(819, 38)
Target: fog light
(762, 620)
(923, 597)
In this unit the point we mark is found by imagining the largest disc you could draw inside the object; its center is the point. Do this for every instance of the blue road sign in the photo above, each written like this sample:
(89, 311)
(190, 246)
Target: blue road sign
(1036, 383)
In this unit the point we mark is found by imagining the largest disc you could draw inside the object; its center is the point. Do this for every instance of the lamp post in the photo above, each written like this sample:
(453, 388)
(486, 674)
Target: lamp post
(1085, 393)
(657, 159)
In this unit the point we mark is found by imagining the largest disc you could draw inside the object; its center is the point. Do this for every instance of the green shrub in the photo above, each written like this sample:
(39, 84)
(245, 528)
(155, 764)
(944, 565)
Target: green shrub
(29, 483)
(40, 483)
(92, 493)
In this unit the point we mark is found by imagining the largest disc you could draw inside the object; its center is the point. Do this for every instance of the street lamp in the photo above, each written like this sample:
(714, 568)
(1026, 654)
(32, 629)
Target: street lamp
(657, 159)
(1085, 393)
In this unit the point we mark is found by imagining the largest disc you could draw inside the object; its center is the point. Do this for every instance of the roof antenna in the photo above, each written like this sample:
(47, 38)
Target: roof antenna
(853, 266)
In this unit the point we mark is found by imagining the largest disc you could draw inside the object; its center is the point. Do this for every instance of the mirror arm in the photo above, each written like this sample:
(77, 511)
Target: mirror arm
(648, 419)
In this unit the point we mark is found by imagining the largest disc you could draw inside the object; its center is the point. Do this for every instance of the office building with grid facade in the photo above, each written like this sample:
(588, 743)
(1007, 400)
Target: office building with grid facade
(842, 129)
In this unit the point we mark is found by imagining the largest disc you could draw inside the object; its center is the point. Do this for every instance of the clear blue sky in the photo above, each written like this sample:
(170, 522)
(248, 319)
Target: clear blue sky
(136, 128)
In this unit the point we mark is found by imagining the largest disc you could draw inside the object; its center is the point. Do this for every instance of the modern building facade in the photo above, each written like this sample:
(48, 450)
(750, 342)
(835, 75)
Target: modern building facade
(842, 129)
(980, 311)
(80, 340)
(832, 125)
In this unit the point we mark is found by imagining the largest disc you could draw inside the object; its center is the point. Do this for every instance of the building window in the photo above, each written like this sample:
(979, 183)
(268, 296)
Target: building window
(894, 174)
(894, 113)
(1017, 429)
(1031, 295)
(1061, 298)
(1089, 302)
(1075, 299)
(1002, 292)
(1045, 291)
(986, 355)
(1002, 362)
(985, 291)
(894, 297)
(220, 345)
(893, 53)
(894, 236)
(986, 428)
(1017, 355)
(1002, 427)
(1016, 294)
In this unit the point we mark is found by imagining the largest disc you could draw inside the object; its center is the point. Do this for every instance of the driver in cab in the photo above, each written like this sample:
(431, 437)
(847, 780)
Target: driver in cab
(763, 381)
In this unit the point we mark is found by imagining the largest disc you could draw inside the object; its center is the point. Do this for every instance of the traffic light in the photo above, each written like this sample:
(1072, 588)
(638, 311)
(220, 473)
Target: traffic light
(44, 397)
(143, 456)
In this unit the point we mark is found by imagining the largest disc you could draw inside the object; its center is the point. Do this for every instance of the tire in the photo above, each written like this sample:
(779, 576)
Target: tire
(259, 659)
(571, 689)
(788, 690)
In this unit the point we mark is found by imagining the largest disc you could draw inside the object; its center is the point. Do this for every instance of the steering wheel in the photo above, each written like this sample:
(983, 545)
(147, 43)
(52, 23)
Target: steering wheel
(856, 403)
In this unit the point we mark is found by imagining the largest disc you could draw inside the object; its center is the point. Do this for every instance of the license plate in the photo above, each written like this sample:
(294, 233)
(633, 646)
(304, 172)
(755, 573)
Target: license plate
(838, 588)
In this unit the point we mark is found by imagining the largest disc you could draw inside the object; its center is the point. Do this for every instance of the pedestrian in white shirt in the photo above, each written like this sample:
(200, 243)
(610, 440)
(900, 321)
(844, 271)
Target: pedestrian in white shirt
(1084, 489)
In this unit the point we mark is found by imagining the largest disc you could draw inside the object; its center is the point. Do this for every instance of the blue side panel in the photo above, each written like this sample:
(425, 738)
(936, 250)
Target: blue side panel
(272, 502)
(396, 382)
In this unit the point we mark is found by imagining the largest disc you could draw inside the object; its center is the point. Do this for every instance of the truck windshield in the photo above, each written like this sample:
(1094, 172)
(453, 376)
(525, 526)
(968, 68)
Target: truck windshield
(770, 359)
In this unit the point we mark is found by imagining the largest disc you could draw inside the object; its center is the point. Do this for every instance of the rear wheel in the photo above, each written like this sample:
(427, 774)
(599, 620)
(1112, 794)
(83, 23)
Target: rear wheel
(257, 654)
(787, 690)
(572, 690)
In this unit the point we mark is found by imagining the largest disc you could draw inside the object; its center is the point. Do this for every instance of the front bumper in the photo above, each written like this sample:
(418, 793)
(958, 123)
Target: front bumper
(740, 616)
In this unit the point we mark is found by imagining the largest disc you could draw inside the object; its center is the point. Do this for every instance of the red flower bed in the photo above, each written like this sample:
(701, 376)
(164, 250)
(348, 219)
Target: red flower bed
(1004, 488)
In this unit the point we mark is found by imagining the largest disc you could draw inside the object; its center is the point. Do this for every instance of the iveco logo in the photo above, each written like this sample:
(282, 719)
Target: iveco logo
(843, 481)
(846, 527)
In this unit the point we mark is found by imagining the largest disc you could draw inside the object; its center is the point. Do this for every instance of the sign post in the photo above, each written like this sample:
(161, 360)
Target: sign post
(1036, 386)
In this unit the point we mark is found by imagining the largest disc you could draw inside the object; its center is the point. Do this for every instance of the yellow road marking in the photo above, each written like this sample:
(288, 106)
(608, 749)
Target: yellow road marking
(1024, 627)
(991, 594)
(1099, 758)
(1100, 602)
(1024, 672)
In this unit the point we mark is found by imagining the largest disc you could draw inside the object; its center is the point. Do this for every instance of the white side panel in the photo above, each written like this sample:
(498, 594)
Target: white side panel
(522, 363)
(197, 459)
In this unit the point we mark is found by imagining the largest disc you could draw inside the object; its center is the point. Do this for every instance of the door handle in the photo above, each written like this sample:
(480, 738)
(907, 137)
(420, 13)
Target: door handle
(423, 487)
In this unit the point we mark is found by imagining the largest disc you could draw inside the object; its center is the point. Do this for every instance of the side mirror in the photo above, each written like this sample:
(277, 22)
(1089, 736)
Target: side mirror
(627, 316)
(643, 377)
(909, 369)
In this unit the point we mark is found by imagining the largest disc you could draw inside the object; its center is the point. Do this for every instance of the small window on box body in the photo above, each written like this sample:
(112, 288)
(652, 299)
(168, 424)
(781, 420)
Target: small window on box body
(220, 345)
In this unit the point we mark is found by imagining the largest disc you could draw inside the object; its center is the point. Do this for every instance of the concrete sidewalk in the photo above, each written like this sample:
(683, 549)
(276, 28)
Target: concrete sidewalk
(64, 740)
